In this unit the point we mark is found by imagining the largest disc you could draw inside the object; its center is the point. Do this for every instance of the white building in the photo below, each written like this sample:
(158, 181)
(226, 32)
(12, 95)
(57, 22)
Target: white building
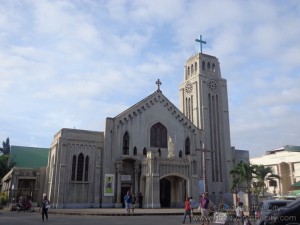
(286, 163)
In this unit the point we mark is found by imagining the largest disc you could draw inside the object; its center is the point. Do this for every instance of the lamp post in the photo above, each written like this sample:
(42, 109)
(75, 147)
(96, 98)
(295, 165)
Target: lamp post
(203, 151)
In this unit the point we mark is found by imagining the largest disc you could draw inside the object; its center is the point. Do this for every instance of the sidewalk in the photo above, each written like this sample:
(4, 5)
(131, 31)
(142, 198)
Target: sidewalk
(118, 211)
(114, 211)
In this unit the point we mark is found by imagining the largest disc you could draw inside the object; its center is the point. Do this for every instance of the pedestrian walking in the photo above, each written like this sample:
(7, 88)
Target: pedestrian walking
(193, 204)
(45, 205)
(133, 203)
(187, 209)
(127, 201)
(240, 213)
(203, 207)
(140, 199)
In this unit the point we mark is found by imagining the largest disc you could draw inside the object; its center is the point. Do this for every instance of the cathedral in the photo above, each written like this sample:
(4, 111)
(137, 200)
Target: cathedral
(152, 148)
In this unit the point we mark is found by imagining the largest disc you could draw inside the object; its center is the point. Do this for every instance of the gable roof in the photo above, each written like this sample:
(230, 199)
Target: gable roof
(156, 97)
(29, 157)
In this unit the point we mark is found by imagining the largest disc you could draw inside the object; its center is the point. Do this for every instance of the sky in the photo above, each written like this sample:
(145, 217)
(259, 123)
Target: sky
(66, 64)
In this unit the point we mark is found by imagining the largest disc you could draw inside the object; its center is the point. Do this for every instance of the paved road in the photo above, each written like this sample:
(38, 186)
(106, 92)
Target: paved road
(34, 218)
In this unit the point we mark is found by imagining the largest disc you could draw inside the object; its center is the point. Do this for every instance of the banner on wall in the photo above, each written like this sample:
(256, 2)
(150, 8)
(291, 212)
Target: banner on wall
(109, 184)
(201, 187)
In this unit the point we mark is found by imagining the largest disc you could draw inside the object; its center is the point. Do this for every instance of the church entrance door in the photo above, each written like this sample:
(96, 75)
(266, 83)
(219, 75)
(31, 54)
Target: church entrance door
(124, 190)
(173, 190)
(165, 193)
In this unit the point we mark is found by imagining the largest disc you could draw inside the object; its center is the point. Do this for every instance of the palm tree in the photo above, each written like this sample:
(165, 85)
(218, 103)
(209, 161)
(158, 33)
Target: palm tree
(261, 174)
(241, 172)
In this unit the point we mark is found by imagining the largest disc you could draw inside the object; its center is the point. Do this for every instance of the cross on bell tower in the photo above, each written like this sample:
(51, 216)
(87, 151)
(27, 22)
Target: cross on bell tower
(202, 93)
(201, 42)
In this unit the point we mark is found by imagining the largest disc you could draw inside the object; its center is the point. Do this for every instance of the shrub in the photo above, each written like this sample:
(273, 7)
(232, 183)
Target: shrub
(3, 198)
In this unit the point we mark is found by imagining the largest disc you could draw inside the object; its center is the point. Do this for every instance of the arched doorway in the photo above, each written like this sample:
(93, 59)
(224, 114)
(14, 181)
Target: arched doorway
(165, 193)
(130, 178)
(173, 190)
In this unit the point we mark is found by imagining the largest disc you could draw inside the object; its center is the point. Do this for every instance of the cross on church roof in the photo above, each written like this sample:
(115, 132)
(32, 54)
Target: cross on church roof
(201, 42)
(158, 83)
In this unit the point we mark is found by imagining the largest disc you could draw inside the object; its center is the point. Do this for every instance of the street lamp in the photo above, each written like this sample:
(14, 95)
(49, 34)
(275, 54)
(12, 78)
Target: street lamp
(203, 151)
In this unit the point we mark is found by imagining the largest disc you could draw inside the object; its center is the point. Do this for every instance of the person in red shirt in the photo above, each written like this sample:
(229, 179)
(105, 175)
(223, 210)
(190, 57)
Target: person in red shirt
(187, 209)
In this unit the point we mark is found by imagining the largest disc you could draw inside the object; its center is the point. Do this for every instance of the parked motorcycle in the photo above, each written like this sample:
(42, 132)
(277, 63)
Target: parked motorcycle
(25, 206)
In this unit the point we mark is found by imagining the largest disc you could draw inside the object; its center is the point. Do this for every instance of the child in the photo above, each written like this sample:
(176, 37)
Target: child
(133, 203)
(247, 221)
(240, 213)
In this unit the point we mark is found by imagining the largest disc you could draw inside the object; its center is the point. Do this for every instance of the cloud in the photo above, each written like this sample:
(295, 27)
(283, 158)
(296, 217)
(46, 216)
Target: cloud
(74, 63)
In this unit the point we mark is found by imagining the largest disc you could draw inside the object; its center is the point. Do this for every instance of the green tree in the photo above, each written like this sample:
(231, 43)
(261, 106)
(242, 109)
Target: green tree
(241, 172)
(261, 175)
(5, 165)
(5, 147)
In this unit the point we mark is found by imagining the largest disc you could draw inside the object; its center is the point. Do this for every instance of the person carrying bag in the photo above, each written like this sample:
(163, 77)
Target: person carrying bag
(45, 206)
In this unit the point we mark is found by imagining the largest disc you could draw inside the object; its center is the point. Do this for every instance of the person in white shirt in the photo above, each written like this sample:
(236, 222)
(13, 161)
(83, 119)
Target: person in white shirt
(240, 213)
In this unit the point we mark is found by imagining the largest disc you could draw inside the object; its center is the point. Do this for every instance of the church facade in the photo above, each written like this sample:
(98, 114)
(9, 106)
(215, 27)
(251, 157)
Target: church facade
(152, 148)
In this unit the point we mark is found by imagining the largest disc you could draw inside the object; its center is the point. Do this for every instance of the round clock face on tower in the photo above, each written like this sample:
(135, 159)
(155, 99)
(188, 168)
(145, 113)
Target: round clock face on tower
(212, 85)
(188, 88)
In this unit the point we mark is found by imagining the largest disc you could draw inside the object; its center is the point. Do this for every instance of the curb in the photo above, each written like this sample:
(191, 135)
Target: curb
(114, 214)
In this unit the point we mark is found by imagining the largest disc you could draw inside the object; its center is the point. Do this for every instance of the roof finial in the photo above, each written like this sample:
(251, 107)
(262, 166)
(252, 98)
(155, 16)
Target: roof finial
(201, 42)
(158, 83)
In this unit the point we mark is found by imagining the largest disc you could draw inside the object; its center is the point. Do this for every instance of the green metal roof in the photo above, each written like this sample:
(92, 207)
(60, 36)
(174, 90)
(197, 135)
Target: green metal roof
(29, 157)
(292, 148)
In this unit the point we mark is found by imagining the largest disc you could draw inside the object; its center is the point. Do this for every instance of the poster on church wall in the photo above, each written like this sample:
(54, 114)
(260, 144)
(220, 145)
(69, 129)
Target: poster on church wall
(201, 187)
(109, 184)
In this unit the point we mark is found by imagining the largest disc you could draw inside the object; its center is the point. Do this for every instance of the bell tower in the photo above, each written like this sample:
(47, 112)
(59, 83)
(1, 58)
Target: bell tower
(204, 100)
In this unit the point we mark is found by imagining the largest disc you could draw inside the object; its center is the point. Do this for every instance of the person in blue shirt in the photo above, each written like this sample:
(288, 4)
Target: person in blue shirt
(128, 201)
(193, 205)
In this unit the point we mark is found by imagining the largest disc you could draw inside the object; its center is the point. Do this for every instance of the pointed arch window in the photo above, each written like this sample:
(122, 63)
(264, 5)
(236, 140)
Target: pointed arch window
(134, 150)
(159, 152)
(192, 69)
(187, 146)
(158, 136)
(126, 144)
(195, 67)
(80, 167)
(180, 154)
(86, 168)
(203, 65)
(208, 66)
(213, 67)
(73, 168)
(144, 151)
